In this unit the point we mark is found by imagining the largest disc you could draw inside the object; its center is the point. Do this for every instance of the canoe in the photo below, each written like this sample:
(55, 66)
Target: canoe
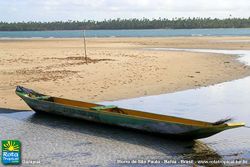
(156, 123)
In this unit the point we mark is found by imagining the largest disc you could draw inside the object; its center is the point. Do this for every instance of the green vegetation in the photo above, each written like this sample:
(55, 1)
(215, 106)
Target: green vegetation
(176, 23)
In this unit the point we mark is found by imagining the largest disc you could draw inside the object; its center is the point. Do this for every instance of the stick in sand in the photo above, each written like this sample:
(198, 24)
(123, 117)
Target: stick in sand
(85, 49)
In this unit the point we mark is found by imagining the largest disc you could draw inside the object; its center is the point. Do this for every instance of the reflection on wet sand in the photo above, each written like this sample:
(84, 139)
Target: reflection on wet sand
(9, 111)
(201, 151)
(100, 139)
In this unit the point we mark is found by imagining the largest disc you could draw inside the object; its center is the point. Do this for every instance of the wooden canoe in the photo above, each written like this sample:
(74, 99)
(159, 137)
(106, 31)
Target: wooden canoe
(166, 125)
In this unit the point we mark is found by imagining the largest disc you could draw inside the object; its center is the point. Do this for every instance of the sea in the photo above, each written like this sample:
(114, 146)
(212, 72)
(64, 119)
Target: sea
(127, 33)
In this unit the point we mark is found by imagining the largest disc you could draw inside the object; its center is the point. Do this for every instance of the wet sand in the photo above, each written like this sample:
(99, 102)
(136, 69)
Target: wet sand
(57, 141)
(119, 68)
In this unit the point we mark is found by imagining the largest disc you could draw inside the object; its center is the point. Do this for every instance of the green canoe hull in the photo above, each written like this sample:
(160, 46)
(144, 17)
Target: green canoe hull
(173, 129)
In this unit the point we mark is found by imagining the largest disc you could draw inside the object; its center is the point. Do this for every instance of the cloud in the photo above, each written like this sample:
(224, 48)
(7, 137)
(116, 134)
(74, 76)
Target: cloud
(51, 10)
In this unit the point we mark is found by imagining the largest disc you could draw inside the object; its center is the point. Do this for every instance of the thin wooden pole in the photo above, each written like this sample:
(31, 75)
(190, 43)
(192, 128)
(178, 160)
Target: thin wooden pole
(85, 48)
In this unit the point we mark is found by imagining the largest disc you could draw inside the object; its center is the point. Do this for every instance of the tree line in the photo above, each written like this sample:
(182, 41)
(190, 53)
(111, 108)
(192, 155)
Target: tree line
(160, 23)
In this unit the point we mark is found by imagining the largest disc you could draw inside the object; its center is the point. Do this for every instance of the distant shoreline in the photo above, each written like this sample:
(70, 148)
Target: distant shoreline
(131, 23)
(126, 29)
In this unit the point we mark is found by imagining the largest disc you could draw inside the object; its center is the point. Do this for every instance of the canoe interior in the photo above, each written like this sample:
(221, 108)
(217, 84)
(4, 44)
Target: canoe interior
(86, 105)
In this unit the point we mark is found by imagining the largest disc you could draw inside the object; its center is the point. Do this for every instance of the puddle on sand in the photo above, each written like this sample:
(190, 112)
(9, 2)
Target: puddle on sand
(212, 103)
(244, 55)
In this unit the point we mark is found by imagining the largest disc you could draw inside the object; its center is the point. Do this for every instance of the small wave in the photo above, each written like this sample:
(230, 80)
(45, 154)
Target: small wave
(36, 37)
(197, 35)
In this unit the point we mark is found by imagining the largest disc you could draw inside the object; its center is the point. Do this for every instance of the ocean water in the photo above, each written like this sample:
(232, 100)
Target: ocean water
(127, 33)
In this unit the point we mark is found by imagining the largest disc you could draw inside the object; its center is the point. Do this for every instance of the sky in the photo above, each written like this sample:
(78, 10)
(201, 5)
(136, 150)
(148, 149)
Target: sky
(64, 10)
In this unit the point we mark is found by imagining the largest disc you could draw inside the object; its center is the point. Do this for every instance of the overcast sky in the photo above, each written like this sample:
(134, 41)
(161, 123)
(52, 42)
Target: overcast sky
(57, 10)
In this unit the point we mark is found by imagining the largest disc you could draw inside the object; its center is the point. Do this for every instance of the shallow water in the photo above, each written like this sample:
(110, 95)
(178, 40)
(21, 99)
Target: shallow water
(59, 141)
(212, 103)
(244, 55)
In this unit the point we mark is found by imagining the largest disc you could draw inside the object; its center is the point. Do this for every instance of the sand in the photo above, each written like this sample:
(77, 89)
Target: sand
(118, 68)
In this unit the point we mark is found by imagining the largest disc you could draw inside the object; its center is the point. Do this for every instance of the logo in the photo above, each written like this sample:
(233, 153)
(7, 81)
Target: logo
(11, 152)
